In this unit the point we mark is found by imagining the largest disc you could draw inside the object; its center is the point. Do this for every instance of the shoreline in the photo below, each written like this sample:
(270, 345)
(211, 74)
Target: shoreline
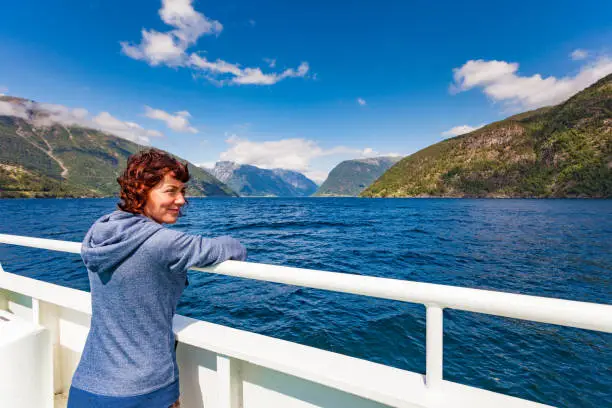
(336, 197)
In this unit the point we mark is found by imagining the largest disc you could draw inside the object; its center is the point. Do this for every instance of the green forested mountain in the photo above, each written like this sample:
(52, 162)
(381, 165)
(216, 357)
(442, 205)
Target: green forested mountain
(70, 161)
(560, 151)
(351, 177)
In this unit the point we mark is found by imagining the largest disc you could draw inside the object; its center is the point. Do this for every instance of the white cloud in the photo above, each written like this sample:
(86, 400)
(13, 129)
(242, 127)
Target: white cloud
(3, 90)
(178, 122)
(318, 176)
(254, 76)
(47, 114)
(13, 109)
(104, 122)
(270, 61)
(126, 130)
(190, 24)
(61, 114)
(222, 72)
(156, 48)
(460, 130)
(579, 54)
(154, 133)
(206, 165)
(170, 48)
(217, 67)
(499, 81)
(368, 151)
(361, 101)
(474, 73)
(292, 154)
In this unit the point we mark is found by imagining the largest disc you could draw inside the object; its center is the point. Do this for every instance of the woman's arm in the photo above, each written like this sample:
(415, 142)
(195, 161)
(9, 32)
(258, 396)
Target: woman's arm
(180, 251)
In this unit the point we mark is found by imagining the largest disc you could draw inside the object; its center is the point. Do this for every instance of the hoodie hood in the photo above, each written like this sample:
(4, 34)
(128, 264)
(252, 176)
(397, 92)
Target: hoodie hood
(113, 238)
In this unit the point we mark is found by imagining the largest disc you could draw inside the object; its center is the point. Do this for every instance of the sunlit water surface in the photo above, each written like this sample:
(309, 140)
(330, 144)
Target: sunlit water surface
(556, 248)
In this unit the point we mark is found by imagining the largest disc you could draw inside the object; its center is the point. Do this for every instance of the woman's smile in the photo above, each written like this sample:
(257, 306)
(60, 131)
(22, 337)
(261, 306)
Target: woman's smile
(168, 192)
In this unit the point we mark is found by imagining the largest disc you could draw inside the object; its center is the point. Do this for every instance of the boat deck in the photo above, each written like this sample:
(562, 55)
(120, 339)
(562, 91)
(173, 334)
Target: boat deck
(60, 400)
(223, 367)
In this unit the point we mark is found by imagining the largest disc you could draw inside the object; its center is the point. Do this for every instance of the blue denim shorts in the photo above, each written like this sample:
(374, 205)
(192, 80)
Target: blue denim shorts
(162, 398)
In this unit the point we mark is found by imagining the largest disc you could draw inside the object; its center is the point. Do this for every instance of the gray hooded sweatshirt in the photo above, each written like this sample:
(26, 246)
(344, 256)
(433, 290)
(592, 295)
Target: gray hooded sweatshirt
(137, 271)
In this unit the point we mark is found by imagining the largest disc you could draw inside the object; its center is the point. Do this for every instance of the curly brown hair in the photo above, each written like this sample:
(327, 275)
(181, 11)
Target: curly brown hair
(144, 170)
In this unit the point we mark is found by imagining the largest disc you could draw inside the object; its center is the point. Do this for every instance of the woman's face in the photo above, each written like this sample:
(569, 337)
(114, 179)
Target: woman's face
(165, 200)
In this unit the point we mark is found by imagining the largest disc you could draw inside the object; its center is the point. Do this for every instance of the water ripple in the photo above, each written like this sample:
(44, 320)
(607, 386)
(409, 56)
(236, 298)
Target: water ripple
(558, 248)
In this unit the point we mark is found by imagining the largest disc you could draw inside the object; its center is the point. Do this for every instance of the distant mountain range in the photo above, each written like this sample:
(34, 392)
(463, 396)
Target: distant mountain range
(351, 177)
(39, 158)
(559, 151)
(249, 180)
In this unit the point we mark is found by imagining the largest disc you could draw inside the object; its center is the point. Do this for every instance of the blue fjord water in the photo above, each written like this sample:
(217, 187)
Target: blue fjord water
(555, 248)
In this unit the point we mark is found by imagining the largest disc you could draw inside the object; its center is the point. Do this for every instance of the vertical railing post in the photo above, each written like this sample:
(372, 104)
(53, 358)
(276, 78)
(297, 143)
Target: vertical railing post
(3, 295)
(230, 383)
(47, 315)
(36, 312)
(434, 345)
(3, 300)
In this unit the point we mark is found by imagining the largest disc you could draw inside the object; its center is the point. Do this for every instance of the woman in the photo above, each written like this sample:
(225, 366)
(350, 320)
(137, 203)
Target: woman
(137, 271)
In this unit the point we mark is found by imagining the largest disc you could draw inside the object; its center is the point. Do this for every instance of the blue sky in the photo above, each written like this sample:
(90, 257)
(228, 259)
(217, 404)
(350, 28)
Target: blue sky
(299, 85)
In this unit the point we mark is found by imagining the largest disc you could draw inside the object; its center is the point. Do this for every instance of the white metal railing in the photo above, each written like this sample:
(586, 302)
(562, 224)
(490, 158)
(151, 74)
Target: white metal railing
(435, 297)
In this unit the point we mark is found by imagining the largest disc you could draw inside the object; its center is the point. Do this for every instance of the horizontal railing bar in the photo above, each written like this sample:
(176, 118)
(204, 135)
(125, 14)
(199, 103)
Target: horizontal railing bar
(42, 243)
(63, 296)
(562, 312)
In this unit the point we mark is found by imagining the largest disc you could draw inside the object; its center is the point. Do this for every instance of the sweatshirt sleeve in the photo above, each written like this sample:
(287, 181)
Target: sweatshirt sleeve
(180, 251)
